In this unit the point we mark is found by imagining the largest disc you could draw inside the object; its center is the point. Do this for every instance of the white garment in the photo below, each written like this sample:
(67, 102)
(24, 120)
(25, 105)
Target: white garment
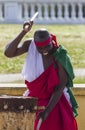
(33, 65)
(65, 91)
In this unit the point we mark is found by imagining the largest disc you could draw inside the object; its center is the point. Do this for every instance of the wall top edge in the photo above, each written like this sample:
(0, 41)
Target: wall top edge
(16, 85)
(57, 1)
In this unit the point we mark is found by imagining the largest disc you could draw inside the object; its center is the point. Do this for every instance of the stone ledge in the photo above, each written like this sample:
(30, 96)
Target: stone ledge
(79, 89)
(79, 85)
(23, 120)
(12, 89)
(18, 89)
(18, 104)
(13, 85)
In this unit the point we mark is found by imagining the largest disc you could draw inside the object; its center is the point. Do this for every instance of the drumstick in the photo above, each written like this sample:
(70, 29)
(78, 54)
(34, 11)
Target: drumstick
(34, 16)
(32, 19)
(39, 124)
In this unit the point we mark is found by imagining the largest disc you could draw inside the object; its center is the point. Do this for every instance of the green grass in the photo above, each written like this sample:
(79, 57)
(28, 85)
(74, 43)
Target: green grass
(79, 80)
(71, 36)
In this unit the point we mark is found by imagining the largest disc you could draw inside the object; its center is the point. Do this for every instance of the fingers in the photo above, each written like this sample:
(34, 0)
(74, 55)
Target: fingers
(27, 26)
(43, 115)
(39, 124)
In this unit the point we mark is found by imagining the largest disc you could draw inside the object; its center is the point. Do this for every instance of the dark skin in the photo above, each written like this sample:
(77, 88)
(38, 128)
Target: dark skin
(13, 50)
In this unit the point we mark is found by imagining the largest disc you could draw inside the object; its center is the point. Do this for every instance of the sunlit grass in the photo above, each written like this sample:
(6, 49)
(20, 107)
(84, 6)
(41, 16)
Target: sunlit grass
(79, 80)
(71, 36)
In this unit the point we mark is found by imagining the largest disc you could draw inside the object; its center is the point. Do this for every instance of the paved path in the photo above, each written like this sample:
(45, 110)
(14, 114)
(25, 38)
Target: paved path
(17, 77)
(10, 77)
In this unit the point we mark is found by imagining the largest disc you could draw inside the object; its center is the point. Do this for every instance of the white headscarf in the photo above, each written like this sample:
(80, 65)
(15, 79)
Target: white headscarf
(33, 65)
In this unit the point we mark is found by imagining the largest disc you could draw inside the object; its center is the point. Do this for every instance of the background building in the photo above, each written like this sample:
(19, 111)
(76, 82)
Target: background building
(50, 12)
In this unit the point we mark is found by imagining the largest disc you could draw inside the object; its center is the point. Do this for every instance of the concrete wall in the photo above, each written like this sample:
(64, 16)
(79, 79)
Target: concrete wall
(23, 120)
(79, 92)
(81, 111)
(50, 12)
(16, 121)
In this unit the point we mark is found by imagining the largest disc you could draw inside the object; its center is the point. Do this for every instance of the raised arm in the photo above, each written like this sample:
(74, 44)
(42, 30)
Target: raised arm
(13, 49)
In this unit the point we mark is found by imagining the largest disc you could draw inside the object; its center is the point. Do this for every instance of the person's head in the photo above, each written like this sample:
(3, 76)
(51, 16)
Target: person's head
(43, 41)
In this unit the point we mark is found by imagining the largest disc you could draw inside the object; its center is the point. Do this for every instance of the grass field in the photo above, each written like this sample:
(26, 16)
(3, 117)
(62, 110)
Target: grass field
(71, 36)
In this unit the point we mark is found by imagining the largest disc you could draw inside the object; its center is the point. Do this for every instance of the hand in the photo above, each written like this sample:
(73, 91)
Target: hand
(43, 115)
(27, 26)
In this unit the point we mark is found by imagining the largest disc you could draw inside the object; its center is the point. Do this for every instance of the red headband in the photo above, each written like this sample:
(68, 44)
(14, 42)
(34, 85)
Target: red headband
(53, 37)
(46, 42)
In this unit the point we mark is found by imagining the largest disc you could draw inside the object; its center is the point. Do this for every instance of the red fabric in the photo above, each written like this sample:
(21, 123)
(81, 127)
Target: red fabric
(61, 117)
(43, 86)
(54, 40)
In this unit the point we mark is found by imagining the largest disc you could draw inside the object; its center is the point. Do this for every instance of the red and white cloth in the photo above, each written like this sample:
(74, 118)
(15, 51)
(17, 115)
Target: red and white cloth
(42, 86)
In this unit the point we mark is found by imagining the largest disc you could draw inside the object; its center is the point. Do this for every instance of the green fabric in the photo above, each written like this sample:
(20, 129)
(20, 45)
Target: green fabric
(73, 102)
(63, 58)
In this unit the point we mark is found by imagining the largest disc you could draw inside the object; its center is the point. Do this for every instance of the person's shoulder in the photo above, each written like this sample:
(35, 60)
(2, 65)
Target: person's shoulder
(26, 44)
(60, 51)
(62, 48)
(28, 41)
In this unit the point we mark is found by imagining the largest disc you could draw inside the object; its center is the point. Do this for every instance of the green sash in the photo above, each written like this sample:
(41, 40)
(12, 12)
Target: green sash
(63, 58)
